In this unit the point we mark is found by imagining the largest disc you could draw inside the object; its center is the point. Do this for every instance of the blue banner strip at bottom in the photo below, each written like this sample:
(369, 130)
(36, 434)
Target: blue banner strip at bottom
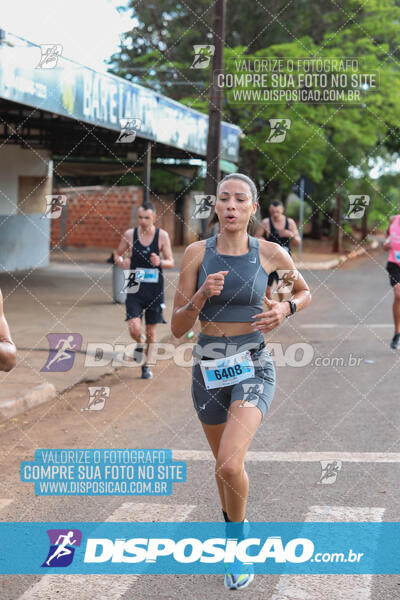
(199, 548)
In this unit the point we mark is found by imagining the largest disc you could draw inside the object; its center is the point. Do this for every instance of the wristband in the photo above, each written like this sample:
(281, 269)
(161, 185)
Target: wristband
(292, 307)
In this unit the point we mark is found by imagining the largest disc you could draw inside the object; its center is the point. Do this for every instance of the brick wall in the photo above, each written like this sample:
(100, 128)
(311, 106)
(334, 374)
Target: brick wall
(165, 209)
(98, 216)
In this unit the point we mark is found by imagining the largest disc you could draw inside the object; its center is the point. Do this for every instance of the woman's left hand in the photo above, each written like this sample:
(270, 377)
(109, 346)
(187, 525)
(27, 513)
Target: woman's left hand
(266, 321)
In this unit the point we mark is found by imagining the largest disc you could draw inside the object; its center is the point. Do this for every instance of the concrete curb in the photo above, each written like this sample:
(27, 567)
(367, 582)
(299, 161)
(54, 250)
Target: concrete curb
(46, 391)
(36, 396)
(330, 264)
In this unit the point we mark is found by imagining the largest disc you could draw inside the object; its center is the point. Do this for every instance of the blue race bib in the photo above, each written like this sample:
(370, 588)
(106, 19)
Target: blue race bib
(147, 275)
(228, 370)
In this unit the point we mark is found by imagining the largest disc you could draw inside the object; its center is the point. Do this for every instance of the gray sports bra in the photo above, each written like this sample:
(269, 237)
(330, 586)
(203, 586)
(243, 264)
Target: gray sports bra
(244, 287)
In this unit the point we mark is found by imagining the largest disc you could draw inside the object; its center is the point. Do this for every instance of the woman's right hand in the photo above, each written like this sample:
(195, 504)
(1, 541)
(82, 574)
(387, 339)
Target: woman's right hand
(214, 284)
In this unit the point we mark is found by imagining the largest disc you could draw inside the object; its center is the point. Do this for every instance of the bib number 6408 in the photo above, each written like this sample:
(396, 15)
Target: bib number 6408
(229, 372)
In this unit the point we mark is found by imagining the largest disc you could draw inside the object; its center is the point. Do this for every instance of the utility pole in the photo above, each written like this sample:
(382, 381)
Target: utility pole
(364, 224)
(146, 173)
(301, 215)
(338, 230)
(215, 105)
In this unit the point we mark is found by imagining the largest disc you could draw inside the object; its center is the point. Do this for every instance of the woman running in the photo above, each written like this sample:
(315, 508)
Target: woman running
(222, 282)
(392, 243)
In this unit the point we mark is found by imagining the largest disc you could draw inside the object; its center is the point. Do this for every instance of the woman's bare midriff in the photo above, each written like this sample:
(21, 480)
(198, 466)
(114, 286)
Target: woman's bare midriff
(220, 329)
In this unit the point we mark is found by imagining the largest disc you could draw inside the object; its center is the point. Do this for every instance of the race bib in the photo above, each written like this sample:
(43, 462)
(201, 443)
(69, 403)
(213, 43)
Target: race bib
(397, 255)
(147, 275)
(229, 370)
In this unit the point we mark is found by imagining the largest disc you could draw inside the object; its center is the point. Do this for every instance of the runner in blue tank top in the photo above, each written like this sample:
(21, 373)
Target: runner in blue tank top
(222, 282)
(145, 286)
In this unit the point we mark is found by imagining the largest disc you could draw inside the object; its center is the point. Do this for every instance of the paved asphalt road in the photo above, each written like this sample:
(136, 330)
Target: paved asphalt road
(337, 408)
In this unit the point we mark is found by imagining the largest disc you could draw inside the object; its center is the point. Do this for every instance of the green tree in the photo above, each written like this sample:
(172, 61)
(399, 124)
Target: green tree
(325, 142)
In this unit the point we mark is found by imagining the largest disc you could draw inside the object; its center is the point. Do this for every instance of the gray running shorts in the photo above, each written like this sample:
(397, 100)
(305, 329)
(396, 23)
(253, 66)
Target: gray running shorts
(212, 405)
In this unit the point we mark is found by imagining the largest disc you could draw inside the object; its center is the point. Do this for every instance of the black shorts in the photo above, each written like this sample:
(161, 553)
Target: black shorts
(135, 305)
(394, 272)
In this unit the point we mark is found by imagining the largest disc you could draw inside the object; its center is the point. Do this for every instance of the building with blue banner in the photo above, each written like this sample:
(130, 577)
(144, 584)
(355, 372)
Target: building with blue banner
(57, 113)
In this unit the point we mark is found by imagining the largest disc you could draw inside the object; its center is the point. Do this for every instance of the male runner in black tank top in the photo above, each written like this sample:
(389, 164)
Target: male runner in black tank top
(145, 242)
(280, 229)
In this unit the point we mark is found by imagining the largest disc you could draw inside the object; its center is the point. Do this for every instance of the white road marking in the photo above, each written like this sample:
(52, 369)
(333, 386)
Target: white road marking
(344, 514)
(5, 502)
(254, 456)
(320, 326)
(330, 587)
(111, 587)
(334, 325)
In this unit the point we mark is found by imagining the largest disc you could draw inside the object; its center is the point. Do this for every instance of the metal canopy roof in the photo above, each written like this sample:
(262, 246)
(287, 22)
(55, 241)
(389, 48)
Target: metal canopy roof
(75, 111)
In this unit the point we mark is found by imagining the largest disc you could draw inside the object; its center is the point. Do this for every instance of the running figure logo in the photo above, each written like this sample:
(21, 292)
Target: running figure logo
(54, 206)
(62, 351)
(203, 54)
(252, 393)
(357, 206)
(132, 281)
(329, 471)
(62, 542)
(50, 55)
(287, 277)
(279, 129)
(129, 128)
(97, 397)
(203, 207)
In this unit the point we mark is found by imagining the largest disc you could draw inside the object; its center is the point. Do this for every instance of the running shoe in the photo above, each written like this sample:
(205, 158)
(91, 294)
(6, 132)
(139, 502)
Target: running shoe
(146, 373)
(238, 581)
(395, 343)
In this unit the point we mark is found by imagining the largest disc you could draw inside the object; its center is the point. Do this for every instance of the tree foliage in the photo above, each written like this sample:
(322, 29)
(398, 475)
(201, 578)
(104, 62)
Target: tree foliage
(325, 142)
